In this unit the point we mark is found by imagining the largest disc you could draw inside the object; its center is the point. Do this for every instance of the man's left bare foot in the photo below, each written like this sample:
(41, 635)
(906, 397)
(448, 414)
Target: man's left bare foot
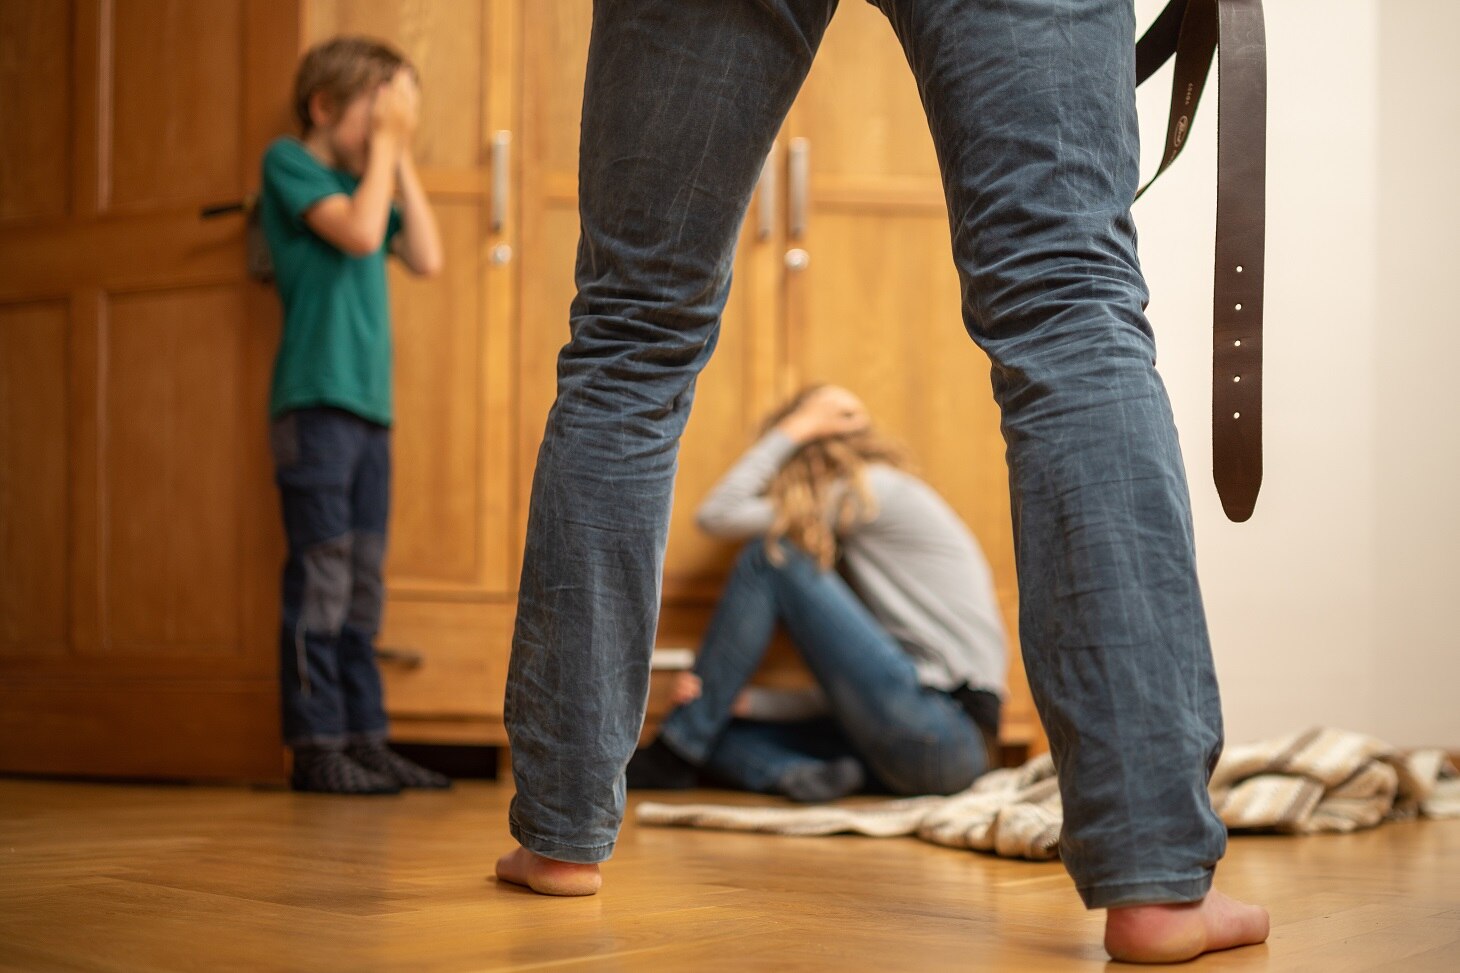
(548, 876)
(1176, 933)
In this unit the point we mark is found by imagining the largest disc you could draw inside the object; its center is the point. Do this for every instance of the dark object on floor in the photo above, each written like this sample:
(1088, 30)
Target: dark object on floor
(658, 768)
(459, 761)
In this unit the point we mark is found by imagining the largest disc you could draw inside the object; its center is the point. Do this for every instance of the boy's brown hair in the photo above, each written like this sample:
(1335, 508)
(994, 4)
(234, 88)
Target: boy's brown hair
(342, 68)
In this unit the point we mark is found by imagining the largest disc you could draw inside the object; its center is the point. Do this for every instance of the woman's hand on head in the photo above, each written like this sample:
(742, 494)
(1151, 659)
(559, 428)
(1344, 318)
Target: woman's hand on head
(829, 411)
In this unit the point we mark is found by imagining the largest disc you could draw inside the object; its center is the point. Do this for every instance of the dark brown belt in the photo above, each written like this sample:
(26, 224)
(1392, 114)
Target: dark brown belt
(1193, 30)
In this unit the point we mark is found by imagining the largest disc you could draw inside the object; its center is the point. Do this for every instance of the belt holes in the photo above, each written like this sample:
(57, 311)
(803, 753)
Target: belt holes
(1239, 268)
(1237, 343)
(1236, 378)
(1237, 307)
(1236, 415)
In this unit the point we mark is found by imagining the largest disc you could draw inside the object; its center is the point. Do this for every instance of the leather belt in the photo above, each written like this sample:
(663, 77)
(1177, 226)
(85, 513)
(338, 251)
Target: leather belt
(1193, 30)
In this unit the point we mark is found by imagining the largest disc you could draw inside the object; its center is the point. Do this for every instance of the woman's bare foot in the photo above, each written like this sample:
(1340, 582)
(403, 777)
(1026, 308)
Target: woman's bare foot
(1173, 933)
(547, 876)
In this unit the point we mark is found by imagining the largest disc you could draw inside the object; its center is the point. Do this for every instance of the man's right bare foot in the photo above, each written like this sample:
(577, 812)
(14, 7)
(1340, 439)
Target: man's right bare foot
(1175, 933)
(548, 876)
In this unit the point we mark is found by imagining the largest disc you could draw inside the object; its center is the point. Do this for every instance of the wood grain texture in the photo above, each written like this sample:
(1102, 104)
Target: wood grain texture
(172, 509)
(438, 537)
(35, 88)
(34, 420)
(142, 546)
(172, 87)
(104, 878)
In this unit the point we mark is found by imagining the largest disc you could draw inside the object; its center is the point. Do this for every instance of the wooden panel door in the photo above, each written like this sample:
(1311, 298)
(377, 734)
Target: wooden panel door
(872, 299)
(139, 535)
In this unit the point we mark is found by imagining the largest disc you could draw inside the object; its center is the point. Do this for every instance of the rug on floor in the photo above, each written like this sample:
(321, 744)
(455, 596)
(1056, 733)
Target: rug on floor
(1321, 780)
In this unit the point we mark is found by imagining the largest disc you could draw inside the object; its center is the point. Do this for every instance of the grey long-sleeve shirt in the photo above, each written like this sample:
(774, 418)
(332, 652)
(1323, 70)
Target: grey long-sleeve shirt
(915, 566)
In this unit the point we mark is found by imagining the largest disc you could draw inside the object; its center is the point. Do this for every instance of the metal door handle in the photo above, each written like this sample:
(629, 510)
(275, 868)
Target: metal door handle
(800, 166)
(501, 178)
(767, 216)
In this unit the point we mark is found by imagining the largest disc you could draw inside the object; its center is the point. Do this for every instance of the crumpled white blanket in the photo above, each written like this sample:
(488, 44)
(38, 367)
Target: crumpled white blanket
(1319, 780)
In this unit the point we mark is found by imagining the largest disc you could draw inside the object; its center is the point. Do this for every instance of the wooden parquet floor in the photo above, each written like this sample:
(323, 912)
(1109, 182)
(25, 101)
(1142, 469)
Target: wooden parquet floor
(97, 877)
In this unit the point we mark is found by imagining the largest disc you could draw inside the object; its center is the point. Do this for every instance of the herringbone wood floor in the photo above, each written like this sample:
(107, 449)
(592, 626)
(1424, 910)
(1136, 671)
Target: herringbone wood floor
(126, 878)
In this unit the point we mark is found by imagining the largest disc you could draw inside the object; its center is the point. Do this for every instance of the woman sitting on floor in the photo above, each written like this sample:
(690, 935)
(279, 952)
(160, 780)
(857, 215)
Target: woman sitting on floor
(905, 643)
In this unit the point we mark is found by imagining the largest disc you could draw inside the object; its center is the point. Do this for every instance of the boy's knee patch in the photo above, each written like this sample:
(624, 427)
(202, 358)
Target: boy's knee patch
(328, 580)
(368, 594)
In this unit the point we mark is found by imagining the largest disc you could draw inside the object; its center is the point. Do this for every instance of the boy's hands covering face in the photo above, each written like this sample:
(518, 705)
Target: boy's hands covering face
(397, 104)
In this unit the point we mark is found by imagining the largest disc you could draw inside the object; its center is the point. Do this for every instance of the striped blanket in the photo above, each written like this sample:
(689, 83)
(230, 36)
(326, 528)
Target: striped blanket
(1317, 781)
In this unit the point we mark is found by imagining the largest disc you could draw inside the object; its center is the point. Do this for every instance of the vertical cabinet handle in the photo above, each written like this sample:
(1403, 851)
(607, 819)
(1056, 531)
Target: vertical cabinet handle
(501, 178)
(800, 166)
(766, 216)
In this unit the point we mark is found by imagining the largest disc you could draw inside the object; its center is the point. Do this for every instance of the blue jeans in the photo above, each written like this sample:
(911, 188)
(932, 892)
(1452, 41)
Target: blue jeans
(1032, 108)
(333, 472)
(915, 740)
(757, 756)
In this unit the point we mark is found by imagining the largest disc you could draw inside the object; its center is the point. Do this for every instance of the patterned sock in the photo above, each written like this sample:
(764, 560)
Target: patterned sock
(817, 781)
(328, 771)
(376, 756)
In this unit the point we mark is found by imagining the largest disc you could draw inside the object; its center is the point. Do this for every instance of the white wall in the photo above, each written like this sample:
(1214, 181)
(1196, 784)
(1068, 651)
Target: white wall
(1417, 354)
(1329, 605)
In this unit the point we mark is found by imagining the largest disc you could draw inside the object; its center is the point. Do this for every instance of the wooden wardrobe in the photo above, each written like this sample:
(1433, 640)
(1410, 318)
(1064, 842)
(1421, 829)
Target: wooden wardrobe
(139, 530)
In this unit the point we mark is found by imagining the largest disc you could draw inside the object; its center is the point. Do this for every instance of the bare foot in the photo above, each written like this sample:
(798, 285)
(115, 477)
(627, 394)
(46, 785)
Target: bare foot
(1174, 933)
(547, 876)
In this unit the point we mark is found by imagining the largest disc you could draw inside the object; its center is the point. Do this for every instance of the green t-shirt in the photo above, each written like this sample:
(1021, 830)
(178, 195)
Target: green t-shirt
(336, 345)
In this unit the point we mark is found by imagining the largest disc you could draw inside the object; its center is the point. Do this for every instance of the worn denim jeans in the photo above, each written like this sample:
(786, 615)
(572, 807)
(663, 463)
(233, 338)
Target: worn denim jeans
(1032, 108)
(333, 472)
(913, 739)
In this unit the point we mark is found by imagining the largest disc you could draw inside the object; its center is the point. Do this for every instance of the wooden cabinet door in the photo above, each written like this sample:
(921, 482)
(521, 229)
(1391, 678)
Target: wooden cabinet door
(451, 555)
(871, 297)
(140, 542)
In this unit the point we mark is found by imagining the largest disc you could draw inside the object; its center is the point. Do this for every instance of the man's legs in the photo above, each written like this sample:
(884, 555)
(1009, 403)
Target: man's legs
(681, 104)
(1032, 108)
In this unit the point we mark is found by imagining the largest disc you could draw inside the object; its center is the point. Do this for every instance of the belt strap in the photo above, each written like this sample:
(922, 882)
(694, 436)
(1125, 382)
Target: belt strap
(1193, 30)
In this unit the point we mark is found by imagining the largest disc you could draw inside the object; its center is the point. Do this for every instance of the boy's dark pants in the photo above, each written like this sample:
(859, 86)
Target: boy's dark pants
(333, 472)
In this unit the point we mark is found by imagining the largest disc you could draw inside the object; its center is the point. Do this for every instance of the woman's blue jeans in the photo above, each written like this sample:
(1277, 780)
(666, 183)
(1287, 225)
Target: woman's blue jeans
(1032, 108)
(914, 740)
